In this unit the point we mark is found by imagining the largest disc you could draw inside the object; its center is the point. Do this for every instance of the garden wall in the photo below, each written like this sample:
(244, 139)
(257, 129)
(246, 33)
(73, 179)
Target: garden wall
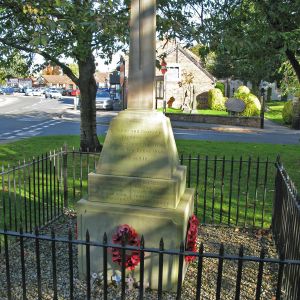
(223, 120)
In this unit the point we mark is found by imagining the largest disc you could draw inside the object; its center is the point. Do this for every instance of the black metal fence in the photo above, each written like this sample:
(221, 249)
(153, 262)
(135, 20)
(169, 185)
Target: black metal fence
(237, 193)
(286, 227)
(48, 275)
(227, 191)
(32, 193)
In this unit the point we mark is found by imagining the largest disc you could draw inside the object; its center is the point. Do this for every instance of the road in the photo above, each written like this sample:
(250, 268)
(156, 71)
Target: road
(24, 116)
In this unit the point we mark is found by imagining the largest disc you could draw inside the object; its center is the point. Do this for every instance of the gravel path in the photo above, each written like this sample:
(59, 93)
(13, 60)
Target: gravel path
(211, 237)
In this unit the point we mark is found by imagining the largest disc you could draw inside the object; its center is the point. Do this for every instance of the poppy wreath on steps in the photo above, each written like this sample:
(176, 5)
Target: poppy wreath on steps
(191, 238)
(130, 237)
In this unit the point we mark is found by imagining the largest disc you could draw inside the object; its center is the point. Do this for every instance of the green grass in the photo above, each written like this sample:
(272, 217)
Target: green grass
(290, 154)
(171, 110)
(11, 153)
(248, 188)
(199, 111)
(210, 112)
(275, 111)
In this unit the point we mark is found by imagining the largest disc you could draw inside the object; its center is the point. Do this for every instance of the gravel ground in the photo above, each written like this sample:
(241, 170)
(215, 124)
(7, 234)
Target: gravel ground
(210, 236)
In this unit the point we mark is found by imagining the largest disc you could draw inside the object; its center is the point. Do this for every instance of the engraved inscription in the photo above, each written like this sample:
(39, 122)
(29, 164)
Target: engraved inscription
(135, 192)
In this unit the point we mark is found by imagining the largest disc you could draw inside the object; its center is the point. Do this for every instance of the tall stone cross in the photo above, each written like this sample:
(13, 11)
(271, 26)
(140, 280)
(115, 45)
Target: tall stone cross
(142, 55)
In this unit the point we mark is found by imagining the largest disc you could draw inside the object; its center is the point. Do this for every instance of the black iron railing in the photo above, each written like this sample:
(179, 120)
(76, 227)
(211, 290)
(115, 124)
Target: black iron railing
(31, 192)
(286, 227)
(227, 191)
(39, 288)
(237, 193)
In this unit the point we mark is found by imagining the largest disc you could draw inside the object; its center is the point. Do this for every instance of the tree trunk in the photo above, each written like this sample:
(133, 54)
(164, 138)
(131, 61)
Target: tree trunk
(294, 62)
(88, 88)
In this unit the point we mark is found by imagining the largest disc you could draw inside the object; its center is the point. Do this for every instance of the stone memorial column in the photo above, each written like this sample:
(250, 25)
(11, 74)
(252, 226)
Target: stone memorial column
(138, 180)
(142, 55)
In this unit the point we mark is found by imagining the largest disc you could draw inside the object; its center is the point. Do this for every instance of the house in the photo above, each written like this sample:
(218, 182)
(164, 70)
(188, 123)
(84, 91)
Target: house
(102, 79)
(63, 81)
(185, 80)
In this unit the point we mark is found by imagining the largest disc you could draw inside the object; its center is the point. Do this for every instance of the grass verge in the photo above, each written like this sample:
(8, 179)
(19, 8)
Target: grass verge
(241, 196)
(207, 112)
(11, 153)
(275, 112)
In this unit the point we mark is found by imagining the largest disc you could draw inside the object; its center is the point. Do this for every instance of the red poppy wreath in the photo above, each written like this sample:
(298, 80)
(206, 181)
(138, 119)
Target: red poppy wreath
(131, 238)
(191, 238)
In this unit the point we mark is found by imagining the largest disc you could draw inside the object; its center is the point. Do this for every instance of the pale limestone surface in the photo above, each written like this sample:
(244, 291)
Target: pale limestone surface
(152, 223)
(142, 54)
(139, 143)
(139, 163)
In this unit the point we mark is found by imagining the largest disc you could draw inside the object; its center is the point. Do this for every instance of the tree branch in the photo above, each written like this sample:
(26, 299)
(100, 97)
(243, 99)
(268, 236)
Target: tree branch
(294, 62)
(46, 55)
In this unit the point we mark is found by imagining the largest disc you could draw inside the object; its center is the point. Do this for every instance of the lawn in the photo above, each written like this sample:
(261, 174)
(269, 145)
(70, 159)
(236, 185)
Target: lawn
(231, 191)
(275, 111)
(11, 153)
(199, 111)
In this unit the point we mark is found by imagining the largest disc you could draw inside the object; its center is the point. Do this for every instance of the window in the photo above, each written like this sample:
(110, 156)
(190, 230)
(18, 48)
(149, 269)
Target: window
(159, 88)
(173, 73)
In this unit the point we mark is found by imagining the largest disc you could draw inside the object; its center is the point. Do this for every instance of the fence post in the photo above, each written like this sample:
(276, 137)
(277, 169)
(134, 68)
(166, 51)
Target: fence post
(65, 175)
(262, 110)
(277, 202)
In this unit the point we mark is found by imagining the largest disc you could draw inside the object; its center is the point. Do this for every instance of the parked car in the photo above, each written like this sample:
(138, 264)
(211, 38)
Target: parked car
(53, 93)
(29, 92)
(7, 91)
(37, 92)
(75, 93)
(103, 100)
(66, 92)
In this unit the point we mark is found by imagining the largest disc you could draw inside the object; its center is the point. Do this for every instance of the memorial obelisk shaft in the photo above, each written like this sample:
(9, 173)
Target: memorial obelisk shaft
(142, 55)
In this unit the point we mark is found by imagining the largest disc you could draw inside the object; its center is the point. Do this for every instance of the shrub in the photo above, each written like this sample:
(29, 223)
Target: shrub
(242, 90)
(253, 106)
(221, 86)
(216, 100)
(287, 112)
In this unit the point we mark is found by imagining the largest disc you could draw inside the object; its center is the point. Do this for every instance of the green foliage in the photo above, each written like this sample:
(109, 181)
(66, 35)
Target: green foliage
(60, 29)
(216, 100)
(242, 90)
(74, 68)
(287, 112)
(253, 106)
(250, 39)
(220, 86)
(13, 65)
(289, 83)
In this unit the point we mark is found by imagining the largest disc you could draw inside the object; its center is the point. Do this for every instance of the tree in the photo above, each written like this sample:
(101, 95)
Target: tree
(252, 37)
(13, 65)
(74, 68)
(79, 29)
